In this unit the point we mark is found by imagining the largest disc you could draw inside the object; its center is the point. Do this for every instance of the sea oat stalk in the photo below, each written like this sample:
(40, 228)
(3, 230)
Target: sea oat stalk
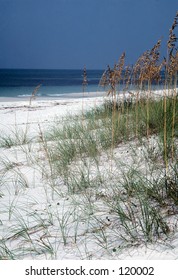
(33, 95)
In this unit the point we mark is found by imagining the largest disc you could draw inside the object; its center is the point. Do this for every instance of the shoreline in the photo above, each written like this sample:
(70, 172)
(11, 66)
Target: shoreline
(77, 95)
(84, 95)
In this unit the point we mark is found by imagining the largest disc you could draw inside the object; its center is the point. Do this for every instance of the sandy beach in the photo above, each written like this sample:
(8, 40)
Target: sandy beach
(17, 111)
(40, 217)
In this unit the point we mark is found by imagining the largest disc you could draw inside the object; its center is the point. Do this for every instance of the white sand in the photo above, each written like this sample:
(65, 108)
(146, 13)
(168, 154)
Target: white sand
(22, 207)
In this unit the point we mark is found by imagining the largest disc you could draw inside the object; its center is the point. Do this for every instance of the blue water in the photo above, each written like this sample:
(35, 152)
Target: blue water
(54, 83)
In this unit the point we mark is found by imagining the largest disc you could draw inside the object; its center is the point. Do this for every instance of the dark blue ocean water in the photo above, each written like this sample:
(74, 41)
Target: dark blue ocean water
(21, 83)
(54, 83)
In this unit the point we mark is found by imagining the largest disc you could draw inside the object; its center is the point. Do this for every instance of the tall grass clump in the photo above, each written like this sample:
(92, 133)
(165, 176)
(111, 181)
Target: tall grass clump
(16, 137)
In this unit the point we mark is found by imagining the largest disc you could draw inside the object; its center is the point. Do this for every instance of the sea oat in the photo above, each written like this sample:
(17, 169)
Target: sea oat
(33, 95)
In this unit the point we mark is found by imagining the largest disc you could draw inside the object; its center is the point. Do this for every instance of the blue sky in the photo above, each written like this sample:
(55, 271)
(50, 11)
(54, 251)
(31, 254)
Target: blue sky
(68, 34)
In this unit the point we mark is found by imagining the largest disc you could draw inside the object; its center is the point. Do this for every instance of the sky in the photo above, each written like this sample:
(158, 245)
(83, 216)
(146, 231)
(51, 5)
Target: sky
(68, 34)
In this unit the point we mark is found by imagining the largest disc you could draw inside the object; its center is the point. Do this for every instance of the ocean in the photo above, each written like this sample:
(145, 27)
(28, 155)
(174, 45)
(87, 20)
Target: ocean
(20, 83)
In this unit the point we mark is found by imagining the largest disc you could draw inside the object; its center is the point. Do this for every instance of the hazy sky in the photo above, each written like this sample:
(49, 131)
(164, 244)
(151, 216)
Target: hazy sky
(69, 34)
